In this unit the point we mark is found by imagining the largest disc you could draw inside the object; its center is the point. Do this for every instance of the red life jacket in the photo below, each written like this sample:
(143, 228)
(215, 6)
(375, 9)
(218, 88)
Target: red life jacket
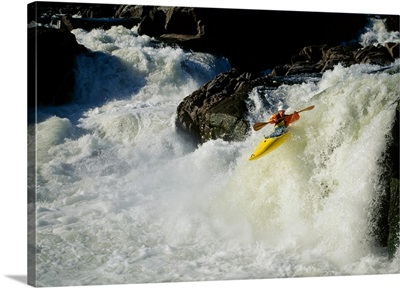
(285, 120)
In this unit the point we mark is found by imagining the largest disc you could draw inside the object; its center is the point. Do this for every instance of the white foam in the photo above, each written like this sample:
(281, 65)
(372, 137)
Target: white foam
(123, 198)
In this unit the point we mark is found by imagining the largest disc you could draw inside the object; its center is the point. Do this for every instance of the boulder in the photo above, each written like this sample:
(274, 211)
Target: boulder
(379, 55)
(393, 49)
(135, 11)
(218, 108)
(153, 24)
(181, 20)
(320, 58)
(51, 58)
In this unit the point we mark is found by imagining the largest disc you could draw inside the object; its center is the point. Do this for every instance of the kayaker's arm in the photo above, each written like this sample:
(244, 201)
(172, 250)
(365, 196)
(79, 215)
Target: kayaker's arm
(291, 118)
(273, 119)
(257, 126)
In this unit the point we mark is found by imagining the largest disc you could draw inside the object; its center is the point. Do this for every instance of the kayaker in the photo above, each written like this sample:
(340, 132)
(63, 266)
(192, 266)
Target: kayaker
(282, 121)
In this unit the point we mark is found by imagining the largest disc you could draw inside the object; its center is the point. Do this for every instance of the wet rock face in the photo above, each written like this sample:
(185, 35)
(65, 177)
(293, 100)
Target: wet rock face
(320, 58)
(216, 110)
(51, 58)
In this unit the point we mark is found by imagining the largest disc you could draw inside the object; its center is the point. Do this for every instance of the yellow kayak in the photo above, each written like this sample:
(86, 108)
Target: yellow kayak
(268, 145)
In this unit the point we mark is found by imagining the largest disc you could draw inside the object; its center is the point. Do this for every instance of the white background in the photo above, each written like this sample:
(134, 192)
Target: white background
(13, 113)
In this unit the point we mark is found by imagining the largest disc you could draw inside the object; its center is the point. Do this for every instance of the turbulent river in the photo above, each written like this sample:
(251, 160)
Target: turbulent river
(122, 197)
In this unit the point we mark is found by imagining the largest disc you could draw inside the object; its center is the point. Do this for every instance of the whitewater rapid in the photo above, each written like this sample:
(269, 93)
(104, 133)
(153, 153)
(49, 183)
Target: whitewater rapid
(122, 197)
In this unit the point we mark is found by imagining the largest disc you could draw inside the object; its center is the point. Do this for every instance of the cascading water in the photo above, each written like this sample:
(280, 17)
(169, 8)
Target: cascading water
(123, 198)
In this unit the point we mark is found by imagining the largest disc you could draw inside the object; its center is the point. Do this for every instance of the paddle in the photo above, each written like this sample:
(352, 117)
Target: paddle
(257, 126)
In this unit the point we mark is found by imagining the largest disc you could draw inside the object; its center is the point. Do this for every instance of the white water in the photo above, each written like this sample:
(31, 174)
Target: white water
(376, 33)
(123, 198)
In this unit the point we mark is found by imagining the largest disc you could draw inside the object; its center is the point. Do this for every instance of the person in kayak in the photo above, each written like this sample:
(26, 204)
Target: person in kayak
(282, 121)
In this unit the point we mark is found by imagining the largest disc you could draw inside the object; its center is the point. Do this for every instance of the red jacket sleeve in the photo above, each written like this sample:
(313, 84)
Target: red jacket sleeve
(291, 118)
(273, 118)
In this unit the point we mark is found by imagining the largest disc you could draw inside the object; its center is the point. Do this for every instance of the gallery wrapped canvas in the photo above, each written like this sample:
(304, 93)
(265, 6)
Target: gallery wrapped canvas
(140, 127)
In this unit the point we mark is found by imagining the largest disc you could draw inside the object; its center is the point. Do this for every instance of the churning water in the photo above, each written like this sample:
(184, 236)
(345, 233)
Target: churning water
(122, 197)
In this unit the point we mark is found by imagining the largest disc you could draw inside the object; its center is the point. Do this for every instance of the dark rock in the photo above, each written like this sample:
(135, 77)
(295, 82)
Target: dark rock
(153, 24)
(234, 32)
(392, 22)
(134, 11)
(97, 10)
(85, 10)
(279, 70)
(216, 110)
(89, 24)
(320, 58)
(338, 54)
(51, 58)
(374, 55)
(176, 16)
(302, 67)
(393, 49)
(313, 53)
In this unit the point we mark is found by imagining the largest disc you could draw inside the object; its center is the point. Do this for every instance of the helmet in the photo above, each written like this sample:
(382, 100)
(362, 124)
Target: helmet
(281, 107)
